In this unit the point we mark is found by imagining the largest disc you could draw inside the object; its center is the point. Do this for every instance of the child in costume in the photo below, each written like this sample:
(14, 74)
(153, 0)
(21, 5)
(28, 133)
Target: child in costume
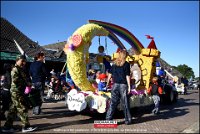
(102, 83)
(154, 90)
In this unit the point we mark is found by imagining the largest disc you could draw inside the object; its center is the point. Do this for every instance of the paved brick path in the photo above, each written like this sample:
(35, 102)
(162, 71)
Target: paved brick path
(173, 118)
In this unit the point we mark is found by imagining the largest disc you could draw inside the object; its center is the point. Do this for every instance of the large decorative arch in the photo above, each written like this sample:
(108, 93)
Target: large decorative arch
(121, 32)
(114, 38)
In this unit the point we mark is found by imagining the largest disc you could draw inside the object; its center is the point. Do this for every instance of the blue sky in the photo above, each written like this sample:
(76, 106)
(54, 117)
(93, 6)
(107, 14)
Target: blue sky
(174, 25)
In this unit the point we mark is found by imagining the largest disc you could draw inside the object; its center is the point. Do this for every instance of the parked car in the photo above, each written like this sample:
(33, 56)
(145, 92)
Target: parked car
(193, 85)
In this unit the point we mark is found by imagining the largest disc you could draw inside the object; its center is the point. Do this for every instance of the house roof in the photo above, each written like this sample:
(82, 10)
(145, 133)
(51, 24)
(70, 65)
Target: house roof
(57, 46)
(9, 33)
(169, 68)
(56, 49)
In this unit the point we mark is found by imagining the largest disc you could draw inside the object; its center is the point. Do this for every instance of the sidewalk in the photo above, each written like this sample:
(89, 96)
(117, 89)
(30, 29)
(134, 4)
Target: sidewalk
(193, 128)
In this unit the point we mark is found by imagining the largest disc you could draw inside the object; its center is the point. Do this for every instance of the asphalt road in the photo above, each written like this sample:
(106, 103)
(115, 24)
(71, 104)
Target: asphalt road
(180, 117)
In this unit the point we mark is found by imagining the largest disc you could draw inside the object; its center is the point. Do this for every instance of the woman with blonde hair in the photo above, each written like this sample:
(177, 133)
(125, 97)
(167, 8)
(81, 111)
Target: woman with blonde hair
(120, 72)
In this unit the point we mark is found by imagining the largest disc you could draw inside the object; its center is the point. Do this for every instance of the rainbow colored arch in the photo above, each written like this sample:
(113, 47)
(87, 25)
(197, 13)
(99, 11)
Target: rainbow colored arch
(121, 32)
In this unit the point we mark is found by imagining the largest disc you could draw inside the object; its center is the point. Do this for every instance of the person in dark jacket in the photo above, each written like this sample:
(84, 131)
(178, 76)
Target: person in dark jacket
(18, 106)
(38, 75)
(5, 89)
(120, 72)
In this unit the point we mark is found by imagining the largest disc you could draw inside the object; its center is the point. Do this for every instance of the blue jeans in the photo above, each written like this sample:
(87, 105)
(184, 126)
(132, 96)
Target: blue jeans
(38, 97)
(156, 100)
(119, 91)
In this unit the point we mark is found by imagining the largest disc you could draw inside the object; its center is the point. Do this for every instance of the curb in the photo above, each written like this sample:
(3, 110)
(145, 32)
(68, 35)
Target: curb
(192, 129)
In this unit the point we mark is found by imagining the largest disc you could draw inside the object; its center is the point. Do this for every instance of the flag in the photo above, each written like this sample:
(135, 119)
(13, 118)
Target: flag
(149, 37)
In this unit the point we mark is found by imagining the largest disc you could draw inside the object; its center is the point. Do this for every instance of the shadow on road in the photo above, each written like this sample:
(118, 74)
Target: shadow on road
(48, 126)
(163, 115)
(166, 111)
(55, 114)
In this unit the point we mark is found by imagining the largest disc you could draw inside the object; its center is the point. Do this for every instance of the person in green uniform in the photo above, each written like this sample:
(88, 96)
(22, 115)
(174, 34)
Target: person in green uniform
(18, 105)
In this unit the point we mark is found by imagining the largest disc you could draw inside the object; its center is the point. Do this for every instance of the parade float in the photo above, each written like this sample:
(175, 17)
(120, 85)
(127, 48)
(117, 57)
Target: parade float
(77, 51)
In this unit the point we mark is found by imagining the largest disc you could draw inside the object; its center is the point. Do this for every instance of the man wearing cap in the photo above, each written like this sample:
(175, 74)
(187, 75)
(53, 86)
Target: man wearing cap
(18, 84)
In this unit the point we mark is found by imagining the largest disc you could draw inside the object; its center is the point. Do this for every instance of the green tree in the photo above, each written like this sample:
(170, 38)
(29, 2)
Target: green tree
(186, 71)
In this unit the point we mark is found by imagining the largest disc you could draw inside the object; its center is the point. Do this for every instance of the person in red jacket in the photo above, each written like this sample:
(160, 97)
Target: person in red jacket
(155, 89)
